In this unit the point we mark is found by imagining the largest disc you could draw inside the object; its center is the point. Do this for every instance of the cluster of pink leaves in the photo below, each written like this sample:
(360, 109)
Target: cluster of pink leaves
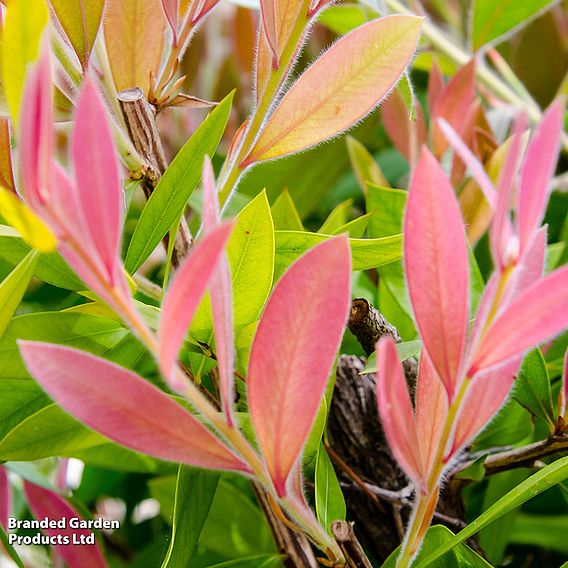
(471, 371)
(287, 375)
(196, 11)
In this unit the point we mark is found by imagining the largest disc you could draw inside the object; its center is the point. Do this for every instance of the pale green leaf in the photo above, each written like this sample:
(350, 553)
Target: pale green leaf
(330, 504)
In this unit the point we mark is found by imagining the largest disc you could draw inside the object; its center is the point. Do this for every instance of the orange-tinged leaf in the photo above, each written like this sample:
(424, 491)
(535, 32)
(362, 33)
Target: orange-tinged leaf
(346, 83)
(288, 370)
(6, 172)
(134, 31)
(80, 19)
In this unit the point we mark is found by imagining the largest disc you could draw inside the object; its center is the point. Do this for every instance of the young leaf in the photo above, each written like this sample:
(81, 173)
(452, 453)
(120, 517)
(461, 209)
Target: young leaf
(80, 21)
(330, 504)
(563, 395)
(537, 483)
(185, 294)
(538, 169)
(346, 83)
(284, 213)
(23, 27)
(170, 197)
(287, 373)
(45, 503)
(534, 315)
(124, 407)
(13, 288)
(436, 266)
(99, 190)
(395, 410)
(171, 10)
(134, 36)
(532, 388)
(221, 291)
(195, 490)
(364, 165)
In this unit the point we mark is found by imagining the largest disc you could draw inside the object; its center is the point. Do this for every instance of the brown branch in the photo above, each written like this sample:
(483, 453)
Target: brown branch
(526, 456)
(353, 551)
(368, 325)
(140, 118)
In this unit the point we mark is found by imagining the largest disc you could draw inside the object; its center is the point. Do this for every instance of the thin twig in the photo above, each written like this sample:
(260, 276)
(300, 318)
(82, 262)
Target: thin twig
(353, 551)
(140, 119)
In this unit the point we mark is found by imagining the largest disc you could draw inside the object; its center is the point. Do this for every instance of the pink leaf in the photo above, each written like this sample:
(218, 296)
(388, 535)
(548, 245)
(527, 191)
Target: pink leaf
(36, 131)
(201, 8)
(538, 168)
(436, 265)
(124, 407)
(431, 411)
(185, 293)
(539, 312)
(171, 10)
(453, 104)
(476, 168)
(484, 398)
(501, 230)
(395, 410)
(342, 86)
(270, 25)
(97, 176)
(5, 498)
(293, 352)
(221, 290)
(435, 84)
(43, 504)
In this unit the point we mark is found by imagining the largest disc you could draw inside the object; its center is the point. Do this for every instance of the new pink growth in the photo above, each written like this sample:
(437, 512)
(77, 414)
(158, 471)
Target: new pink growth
(288, 371)
(436, 266)
(124, 407)
(171, 10)
(184, 296)
(45, 503)
(395, 408)
(221, 291)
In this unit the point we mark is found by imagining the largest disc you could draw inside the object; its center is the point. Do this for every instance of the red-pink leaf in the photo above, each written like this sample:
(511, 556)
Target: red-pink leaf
(185, 293)
(341, 87)
(431, 411)
(124, 407)
(201, 8)
(484, 398)
(171, 10)
(288, 369)
(5, 498)
(269, 11)
(221, 290)
(435, 83)
(538, 168)
(97, 176)
(453, 104)
(436, 265)
(395, 410)
(36, 131)
(43, 504)
(539, 312)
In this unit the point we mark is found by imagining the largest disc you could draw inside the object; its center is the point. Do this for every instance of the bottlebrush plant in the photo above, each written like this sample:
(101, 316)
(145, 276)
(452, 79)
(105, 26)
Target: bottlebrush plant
(179, 387)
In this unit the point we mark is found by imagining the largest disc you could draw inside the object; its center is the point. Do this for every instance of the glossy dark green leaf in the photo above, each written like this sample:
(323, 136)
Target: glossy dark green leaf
(176, 185)
(195, 490)
(532, 389)
(330, 503)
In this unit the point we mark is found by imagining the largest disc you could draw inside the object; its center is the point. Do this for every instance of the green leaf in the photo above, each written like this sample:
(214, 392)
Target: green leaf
(250, 251)
(366, 253)
(263, 561)
(545, 531)
(460, 557)
(494, 19)
(176, 185)
(9, 548)
(284, 213)
(533, 486)
(13, 288)
(337, 218)
(364, 165)
(475, 472)
(511, 425)
(405, 350)
(50, 267)
(388, 205)
(81, 21)
(532, 389)
(195, 490)
(21, 34)
(342, 19)
(355, 228)
(330, 504)
(313, 443)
